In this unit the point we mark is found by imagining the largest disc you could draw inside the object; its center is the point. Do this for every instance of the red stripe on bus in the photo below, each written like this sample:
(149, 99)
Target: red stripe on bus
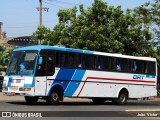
(113, 79)
(18, 79)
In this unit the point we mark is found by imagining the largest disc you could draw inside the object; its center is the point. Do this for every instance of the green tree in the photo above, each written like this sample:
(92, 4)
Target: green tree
(6, 55)
(1, 55)
(149, 12)
(43, 35)
(104, 28)
(4, 58)
(101, 28)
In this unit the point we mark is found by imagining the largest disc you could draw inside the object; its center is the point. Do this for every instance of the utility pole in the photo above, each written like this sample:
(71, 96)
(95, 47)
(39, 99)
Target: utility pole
(40, 12)
(1, 29)
(40, 8)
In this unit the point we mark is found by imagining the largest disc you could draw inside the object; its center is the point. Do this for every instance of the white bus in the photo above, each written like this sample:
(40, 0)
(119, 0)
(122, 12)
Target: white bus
(52, 73)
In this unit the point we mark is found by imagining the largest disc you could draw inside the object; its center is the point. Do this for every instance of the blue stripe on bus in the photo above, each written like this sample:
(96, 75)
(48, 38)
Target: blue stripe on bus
(28, 85)
(9, 82)
(72, 87)
(150, 76)
(74, 50)
(65, 75)
(88, 52)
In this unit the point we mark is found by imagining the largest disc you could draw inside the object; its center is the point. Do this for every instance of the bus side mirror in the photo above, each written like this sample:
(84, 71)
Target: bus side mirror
(40, 61)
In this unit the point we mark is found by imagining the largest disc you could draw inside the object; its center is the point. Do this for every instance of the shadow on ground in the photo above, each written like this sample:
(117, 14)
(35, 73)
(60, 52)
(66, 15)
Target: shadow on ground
(68, 103)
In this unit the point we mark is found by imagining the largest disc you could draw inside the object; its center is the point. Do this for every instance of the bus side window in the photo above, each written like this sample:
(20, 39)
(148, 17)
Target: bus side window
(105, 62)
(151, 68)
(57, 62)
(126, 65)
(41, 70)
(64, 59)
(110, 64)
(118, 64)
(71, 57)
(89, 62)
(123, 65)
(145, 68)
(99, 62)
(51, 68)
(80, 61)
(92, 61)
(140, 66)
(73, 60)
(134, 66)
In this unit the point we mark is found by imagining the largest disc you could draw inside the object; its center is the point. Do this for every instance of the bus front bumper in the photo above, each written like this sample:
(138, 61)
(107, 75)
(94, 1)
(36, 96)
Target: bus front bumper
(12, 91)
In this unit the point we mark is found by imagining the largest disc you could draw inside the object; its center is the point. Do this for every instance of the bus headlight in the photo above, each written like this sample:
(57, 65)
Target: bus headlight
(5, 88)
(25, 89)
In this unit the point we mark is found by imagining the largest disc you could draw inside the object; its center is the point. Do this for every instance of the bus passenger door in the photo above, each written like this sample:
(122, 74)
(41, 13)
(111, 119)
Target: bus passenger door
(41, 78)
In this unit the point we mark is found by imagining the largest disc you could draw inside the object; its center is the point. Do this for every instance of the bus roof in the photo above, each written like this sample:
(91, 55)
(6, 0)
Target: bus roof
(46, 47)
(125, 56)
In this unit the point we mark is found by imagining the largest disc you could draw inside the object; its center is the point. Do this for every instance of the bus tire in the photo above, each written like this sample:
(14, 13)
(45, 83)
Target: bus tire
(31, 100)
(53, 99)
(99, 100)
(122, 98)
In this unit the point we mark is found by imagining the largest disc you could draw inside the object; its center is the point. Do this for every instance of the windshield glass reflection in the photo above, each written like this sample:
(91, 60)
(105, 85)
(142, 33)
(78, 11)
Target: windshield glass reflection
(22, 63)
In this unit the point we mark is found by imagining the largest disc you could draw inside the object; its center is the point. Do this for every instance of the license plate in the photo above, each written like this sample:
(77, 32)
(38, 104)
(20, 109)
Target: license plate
(16, 81)
(13, 89)
(12, 93)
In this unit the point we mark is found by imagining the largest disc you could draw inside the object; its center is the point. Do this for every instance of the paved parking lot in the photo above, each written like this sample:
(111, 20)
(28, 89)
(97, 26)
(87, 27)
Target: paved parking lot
(12, 103)
(4, 97)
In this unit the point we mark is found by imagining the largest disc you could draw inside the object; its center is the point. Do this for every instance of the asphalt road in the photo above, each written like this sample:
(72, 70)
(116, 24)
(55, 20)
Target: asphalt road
(77, 109)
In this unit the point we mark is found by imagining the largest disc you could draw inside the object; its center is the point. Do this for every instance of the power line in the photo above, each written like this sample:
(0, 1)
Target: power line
(52, 4)
(21, 27)
(67, 3)
(61, 2)
(29, 29)
(16, 34)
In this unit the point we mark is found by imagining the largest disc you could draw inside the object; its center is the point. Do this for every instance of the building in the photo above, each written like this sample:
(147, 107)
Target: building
(15, 42)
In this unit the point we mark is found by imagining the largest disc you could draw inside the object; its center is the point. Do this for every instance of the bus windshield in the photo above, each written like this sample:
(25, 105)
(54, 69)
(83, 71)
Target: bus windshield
(22, 63)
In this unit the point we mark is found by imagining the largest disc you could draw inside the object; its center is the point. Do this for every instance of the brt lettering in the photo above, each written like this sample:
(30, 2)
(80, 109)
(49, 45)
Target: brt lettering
(139, 77)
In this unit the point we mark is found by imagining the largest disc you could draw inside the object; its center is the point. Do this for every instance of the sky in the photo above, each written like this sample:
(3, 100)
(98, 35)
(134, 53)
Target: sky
(21, 18)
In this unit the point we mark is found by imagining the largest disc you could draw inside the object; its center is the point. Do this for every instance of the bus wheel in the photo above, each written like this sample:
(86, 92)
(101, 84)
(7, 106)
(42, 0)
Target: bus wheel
(122, 98)
(53, 99)
(31, 100)
(99, 100)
